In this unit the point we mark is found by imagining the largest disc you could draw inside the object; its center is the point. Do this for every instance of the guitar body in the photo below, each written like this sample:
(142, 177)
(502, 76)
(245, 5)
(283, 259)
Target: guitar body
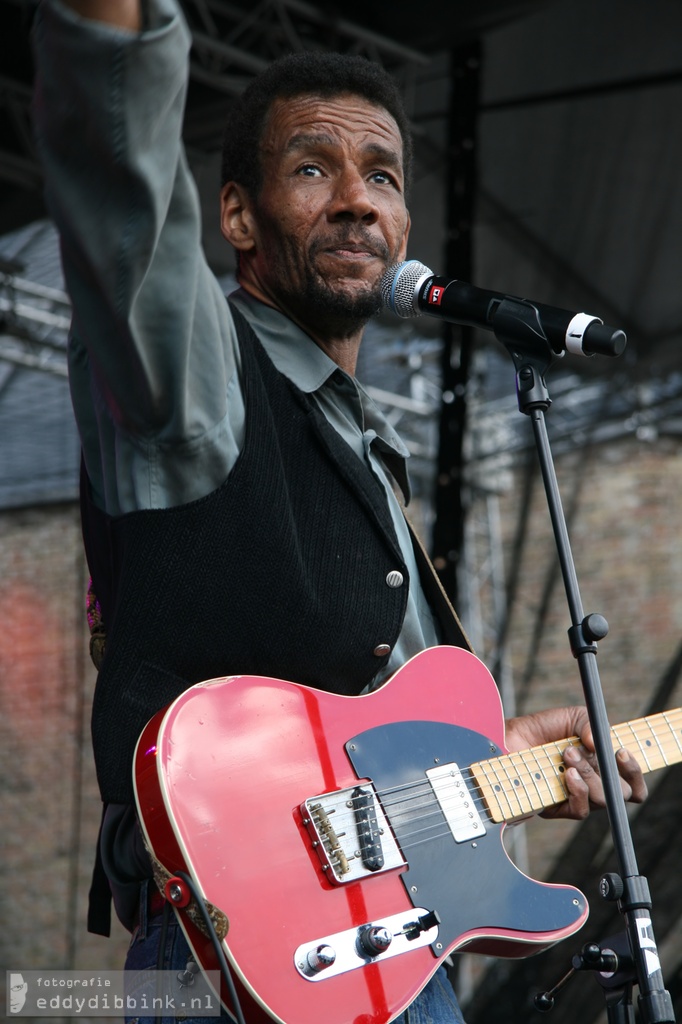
(309, 820)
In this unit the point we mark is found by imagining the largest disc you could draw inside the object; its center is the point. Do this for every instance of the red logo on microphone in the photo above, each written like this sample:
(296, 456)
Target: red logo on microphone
(435, 295)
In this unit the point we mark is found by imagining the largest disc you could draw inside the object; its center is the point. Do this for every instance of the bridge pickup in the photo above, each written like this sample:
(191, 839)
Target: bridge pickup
(350, 834)
(364, 808)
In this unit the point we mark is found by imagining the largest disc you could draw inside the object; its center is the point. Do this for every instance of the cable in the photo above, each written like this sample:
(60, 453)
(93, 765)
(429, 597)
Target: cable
(160, 956)
(215, 941)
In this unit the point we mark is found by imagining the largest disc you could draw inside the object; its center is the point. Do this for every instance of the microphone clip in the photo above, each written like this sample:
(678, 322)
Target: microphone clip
(516, 325)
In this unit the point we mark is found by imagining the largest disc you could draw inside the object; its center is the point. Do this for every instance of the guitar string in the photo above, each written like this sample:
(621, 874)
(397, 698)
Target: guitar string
(543, 759)
(666, 716)
(417, 789)
(422, 790)
(418, 836)
(423, 784)
(432, 805)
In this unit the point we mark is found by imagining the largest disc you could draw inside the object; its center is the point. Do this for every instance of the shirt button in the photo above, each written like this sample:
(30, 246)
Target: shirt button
(381, 650)
(395, 579)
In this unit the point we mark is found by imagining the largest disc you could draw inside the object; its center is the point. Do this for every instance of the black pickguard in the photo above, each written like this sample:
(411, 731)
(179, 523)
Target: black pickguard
(471, 884)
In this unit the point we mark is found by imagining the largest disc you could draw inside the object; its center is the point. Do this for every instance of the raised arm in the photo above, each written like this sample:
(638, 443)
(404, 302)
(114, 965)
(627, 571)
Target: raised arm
(151, 350)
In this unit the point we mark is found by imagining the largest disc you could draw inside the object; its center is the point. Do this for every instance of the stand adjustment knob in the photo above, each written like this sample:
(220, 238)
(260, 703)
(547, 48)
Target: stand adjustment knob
(611, 887)
(595, 627)
(593, 957)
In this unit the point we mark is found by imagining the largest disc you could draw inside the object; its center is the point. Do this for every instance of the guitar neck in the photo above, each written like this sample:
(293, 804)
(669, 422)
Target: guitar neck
(527, 781)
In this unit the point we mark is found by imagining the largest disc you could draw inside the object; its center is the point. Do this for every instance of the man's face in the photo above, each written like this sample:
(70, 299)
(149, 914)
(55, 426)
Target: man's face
(18, 989)
(331, 215)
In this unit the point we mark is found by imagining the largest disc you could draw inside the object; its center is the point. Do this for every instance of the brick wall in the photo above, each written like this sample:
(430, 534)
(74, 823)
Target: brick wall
(624, 503)
(49, 813)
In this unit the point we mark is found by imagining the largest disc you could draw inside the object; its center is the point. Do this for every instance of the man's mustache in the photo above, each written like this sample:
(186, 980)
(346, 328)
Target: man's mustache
(352, 239)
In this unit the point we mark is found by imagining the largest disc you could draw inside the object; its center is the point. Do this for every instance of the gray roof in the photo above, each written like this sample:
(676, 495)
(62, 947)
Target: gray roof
(39, 449)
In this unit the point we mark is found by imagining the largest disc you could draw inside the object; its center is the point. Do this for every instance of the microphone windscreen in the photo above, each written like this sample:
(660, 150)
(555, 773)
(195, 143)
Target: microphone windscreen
(400, 287)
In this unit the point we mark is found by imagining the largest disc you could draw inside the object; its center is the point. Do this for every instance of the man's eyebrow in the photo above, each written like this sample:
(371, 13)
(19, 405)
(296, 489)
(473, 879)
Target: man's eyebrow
(385, 155)
(308, 140)
(311, 140)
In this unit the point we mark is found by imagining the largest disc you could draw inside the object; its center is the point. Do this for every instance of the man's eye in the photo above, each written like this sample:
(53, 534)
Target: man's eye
(309, 170)
(382, 178)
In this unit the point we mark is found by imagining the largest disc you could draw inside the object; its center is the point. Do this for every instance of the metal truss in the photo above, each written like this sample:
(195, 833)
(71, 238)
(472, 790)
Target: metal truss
(230, 44)
(499, 441)
(583, 412)
(34, 321)
(19, 164)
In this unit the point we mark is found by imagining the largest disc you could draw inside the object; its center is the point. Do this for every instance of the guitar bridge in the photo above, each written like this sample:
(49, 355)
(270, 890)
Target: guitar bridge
(350, 834)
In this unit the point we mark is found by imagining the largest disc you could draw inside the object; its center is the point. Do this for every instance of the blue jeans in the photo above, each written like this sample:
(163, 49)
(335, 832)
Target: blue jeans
(435, 1004)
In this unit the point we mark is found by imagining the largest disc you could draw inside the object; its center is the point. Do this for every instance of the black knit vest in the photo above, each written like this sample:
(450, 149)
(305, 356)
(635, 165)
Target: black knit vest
(281, 571)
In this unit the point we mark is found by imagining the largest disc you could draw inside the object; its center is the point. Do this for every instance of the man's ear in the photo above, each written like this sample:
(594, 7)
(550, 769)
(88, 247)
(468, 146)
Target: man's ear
(237, 222)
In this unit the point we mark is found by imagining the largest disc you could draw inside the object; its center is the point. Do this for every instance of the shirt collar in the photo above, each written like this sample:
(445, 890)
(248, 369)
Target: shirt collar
(298, 357)
(293, 352)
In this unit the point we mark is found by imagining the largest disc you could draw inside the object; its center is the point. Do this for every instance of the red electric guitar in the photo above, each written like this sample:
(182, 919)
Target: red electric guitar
(352, 843)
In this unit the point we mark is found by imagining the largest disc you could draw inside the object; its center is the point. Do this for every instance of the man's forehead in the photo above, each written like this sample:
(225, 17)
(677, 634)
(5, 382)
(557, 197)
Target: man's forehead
(313, 119)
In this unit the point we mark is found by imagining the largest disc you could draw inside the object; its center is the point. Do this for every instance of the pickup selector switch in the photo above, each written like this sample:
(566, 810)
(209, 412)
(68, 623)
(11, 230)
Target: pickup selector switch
(374, 939)
(360, 947)
(424, 923)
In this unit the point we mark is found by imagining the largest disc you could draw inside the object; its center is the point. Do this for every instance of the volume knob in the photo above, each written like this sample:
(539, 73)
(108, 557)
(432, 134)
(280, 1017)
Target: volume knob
(374, 939)
(320, 958)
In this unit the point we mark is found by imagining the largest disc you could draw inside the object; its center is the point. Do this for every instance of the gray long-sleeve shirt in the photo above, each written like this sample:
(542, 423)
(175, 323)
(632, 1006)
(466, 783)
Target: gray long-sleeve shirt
(154, 362)
(154, 359)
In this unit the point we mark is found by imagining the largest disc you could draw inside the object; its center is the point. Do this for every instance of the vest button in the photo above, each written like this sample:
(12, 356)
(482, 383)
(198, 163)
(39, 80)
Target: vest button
(395, 579)
(381, 650)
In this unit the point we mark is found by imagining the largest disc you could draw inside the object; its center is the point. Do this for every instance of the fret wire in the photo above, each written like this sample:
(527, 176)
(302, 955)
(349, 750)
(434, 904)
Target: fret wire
(655, 726)
(673, 731)
(522, 756)
(492, 767)
(494, 780)
(629, 727)
(549, 769)
(653, 734)
(514, 787)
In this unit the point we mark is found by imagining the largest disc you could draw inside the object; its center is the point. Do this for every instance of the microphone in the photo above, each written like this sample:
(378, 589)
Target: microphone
(410, 289)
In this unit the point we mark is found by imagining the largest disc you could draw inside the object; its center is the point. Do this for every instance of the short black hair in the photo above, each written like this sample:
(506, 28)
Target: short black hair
(304, 74)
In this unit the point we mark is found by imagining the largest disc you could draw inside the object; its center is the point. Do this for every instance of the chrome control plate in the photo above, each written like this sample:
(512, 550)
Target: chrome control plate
(349, 954)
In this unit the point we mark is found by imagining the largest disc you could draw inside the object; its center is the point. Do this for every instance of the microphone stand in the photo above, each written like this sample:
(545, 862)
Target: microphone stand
(516, 325)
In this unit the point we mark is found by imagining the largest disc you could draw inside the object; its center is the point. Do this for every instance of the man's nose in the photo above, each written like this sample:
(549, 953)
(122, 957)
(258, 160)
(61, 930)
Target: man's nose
(352, 199)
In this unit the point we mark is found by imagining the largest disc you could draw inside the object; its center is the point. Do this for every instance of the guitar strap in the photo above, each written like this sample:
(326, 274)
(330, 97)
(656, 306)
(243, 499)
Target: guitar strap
(453, 631)
(219, 919)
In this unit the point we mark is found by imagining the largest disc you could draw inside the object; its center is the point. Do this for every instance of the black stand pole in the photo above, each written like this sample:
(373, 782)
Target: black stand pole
(516, 326)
